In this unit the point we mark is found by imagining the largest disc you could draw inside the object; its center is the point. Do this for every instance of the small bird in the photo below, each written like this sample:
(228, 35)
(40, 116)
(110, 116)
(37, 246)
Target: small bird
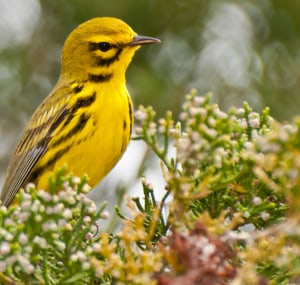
(87, 119)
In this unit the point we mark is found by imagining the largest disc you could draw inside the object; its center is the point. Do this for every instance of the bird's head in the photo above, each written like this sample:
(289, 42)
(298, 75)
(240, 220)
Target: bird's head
(101, 48)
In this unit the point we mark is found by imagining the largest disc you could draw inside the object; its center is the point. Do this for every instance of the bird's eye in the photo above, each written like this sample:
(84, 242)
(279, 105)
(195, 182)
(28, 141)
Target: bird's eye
(104, 46)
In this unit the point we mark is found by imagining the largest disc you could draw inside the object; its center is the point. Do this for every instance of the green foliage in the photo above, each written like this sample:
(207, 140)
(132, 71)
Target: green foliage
(154, 221)
(239, 168)
(48, 239)
(229, 213)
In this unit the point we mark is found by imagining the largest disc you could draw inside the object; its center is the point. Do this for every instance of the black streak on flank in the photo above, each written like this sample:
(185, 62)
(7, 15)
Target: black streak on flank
(84, 102)
(124, 125)
(57, 122)
(130, 115)
(99, 78)
(50, 163)
(108, 61)
(77, 88)
(83, 119)
(80, 103)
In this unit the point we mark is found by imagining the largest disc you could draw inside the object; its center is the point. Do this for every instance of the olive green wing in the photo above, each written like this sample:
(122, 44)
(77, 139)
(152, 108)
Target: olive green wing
(18, 171)
(33, 145)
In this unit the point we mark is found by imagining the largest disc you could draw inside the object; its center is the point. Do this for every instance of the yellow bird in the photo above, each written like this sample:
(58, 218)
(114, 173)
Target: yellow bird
(86, 120)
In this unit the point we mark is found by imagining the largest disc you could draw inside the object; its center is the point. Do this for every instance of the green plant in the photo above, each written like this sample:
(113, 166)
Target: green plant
(229, 213)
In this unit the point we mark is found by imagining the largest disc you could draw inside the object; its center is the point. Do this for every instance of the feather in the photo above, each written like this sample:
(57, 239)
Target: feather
(33, 145)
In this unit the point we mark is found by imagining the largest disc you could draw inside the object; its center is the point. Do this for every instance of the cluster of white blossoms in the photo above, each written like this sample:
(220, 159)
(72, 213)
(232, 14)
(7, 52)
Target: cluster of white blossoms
(42, 226)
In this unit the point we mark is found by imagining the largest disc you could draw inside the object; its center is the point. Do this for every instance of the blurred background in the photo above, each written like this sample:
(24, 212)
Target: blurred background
(239, 50)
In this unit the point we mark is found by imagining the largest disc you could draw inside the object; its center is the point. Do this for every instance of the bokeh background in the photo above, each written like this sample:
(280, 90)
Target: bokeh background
(239, 50)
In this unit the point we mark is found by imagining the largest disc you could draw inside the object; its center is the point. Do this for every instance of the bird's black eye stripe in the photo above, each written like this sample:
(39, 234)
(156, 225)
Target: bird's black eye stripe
(103, 46)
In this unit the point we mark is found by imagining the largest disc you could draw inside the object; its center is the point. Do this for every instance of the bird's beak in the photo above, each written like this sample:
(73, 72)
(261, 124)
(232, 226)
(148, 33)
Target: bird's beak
(143, 40)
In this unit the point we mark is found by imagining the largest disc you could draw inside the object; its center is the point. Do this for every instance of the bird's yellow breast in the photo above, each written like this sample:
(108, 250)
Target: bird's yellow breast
(95, 137)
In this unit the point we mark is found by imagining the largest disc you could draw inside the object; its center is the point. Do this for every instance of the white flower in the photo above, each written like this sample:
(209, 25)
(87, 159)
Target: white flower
(105, 215)
(256, 201)
(22, 238)
(265, 216)
(76, 179)
(4, 248)
(140, 115)
(40, 241)
(67, 214)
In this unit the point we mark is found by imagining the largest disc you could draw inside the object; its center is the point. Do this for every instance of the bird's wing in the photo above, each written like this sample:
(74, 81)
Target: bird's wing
(33, 144)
